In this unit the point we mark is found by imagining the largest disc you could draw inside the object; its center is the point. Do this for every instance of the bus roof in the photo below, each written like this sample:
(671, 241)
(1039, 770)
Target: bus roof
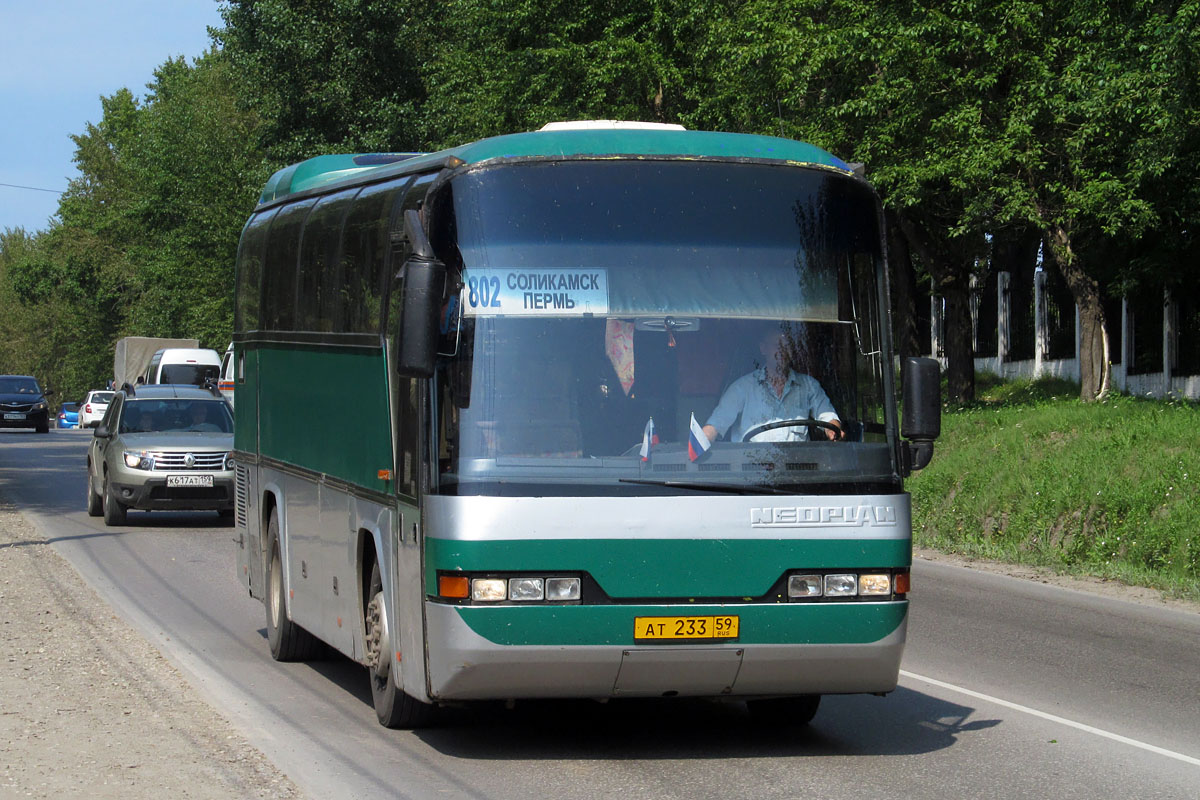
(327, 171)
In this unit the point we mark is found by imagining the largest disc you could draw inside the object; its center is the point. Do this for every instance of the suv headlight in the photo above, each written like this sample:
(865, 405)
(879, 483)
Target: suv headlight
(40, 405)
(138, 460)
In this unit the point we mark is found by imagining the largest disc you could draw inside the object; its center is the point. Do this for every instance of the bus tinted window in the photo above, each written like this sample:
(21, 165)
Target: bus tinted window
(317, 284)
(249, 271)
(364, 253)
(279, 276)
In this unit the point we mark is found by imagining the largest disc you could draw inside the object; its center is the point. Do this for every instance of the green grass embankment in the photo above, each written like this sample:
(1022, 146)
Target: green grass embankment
(1031, 475)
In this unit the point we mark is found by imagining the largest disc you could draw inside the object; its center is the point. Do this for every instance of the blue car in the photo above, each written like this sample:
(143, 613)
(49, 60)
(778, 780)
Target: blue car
(68, 415)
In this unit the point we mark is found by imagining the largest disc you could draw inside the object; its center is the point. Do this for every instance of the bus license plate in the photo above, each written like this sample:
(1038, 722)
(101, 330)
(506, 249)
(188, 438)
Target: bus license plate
(660, 628)
(14, 416)
(190, 480)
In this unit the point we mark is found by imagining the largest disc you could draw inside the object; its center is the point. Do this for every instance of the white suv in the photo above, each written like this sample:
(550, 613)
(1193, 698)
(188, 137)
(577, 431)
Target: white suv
(92, 409)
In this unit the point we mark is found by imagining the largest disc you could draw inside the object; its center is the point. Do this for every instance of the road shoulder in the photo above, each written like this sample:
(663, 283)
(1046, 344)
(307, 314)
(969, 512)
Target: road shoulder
(89, 708)
(1098, 586)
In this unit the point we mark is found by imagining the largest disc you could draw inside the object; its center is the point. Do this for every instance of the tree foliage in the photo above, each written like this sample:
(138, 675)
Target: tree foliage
(146, 233)
(979, 121)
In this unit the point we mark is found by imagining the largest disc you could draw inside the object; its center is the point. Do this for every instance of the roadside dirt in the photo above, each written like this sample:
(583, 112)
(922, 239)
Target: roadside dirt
(88, 708)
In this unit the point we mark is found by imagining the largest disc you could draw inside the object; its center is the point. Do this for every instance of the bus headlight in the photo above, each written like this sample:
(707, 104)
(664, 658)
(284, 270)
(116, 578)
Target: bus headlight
(841, 585)
(874, 584)
(490, 590)
(562, 589)
(513, 589)
(805, 586)
(526, 589)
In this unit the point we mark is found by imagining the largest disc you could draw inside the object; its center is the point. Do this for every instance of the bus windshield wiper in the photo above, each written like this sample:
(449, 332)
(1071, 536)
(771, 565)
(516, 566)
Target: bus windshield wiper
(753, 488)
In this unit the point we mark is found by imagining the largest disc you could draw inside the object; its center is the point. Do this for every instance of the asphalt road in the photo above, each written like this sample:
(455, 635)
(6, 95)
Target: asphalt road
(1009, 688)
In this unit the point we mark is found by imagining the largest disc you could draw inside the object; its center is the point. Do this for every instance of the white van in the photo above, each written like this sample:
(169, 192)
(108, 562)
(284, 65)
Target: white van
(225, 382)
(183, 365)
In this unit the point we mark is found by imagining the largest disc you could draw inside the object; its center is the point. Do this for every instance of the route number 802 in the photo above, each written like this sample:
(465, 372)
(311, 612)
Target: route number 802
(483, 292)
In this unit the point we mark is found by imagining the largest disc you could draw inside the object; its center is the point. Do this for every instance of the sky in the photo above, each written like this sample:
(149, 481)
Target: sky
(57, 58)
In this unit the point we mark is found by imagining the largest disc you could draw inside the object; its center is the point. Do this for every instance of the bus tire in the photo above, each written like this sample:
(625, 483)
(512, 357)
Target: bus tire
(393, 706)
(288, 641)
(792, 712)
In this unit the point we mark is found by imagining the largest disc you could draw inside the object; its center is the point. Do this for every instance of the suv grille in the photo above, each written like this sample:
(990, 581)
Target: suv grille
(176, 460)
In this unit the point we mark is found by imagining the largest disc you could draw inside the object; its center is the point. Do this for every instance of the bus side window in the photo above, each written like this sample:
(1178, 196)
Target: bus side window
(282, 261)
(249, 271)
(408, 434)
(318, 280)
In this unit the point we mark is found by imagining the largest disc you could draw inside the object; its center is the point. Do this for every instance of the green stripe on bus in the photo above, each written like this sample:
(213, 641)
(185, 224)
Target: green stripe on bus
(328, 411)
(674, 568)
(784, 623)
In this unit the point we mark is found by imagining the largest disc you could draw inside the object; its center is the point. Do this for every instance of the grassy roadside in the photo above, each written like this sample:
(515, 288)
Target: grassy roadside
(1031, 475)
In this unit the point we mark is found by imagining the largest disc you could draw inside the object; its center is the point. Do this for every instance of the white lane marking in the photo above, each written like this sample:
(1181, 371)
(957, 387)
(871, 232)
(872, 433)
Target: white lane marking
(1116, 737)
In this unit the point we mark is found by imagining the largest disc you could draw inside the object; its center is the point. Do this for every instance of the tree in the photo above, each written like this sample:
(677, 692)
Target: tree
(328, 76)
(513, 65)
(1093, 123)
(148, 229)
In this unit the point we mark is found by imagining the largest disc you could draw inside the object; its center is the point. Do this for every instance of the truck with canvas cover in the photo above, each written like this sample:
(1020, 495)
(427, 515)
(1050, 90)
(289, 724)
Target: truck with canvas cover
(132, 354)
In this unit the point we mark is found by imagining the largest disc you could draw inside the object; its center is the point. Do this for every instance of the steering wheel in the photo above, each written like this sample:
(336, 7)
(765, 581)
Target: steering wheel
(792, 423)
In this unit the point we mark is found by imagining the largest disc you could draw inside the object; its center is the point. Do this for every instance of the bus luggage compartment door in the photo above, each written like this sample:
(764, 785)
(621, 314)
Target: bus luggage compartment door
(677, 671)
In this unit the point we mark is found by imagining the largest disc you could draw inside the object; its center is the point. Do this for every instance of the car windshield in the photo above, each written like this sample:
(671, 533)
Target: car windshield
(193, 374)
(176, 414)
(18, 386)
(103, 398)
(71, 407)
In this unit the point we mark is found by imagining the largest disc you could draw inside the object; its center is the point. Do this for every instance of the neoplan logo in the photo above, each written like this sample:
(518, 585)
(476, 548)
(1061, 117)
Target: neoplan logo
(822, 516)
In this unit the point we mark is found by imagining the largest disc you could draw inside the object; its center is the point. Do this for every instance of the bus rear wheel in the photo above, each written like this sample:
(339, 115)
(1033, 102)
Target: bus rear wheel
(288, 641)
(393, 706)
(790, 712)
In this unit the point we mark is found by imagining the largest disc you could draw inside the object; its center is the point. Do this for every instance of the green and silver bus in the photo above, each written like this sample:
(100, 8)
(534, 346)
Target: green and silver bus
(465, 385)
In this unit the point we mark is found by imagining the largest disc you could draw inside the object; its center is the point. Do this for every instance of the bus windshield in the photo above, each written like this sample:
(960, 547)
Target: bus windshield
(611, 310)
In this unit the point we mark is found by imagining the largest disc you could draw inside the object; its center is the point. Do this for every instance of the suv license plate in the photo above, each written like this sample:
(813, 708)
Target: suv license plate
(719, 627)
(14, 416)
(189, 480)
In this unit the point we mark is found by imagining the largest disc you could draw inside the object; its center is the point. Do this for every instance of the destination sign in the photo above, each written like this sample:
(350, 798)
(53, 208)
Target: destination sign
(535, 292)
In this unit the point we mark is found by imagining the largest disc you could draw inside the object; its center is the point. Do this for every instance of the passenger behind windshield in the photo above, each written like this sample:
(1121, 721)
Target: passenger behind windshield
(161, 416)
(773, 392)
(18, 386)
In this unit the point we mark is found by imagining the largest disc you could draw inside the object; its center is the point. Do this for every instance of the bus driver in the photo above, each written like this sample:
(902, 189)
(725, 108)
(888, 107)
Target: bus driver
(773, 391)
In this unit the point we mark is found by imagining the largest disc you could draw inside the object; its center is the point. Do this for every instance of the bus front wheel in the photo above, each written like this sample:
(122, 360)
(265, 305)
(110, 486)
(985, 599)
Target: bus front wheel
(785, 711)
(393, 706)
(288, 641)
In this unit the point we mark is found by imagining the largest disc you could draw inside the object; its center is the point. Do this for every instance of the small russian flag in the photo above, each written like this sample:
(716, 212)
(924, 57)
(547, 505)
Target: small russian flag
(648, 439)
(698, 442)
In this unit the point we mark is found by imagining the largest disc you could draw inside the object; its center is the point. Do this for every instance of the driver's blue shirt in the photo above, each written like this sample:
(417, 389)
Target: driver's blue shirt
(751, 401)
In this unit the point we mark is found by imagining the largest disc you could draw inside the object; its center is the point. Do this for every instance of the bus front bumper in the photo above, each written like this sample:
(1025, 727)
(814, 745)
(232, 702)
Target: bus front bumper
(589, 652)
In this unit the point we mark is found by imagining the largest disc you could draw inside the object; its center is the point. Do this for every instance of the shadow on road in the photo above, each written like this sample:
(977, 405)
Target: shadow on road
(905, 722)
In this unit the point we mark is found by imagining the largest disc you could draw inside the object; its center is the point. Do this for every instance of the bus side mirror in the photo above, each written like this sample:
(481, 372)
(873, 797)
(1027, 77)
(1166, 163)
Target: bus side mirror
(922, 418)
(422, 283)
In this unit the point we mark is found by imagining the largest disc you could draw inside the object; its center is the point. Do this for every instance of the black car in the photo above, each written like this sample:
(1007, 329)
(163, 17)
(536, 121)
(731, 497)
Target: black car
(23, 403)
